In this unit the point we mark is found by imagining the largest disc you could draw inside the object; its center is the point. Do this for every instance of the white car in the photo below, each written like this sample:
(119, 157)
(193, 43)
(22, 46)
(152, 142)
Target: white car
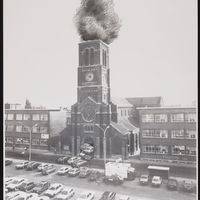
(54, 189)
(16, 183)
(66, 194)
(73, 159)
(42, 198)
(12, 195)
(124, 197)
(156, 181)
(87, 195)
(64, 170)
(42, 166)
(26, 196)
(9, 180)
(89, 149)
(21, 165)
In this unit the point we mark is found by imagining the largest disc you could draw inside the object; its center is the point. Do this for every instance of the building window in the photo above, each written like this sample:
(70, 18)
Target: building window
(26, 129)
(36, 117)
(190, 117)
(160, 118)
(159, 149)
(148, 133)
(27, 116)
(178, 150)
(154, 133)
(43, 129)
(35, 129)
(87, 57)
(190, 151)
(149, 149)
(18, 128)
(44, 117)
(9, 128)
(43, 142)
(35, 142)
(18, 116)
(10, 116)
(179, 117)
(148, 118)
(5, 116)
(9, 140)
(177, 134)
(190, 134)
(88, 128)
(91, 56)
(161, 133)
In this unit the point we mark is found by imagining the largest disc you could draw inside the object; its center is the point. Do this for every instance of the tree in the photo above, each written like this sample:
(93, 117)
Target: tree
(28, 104)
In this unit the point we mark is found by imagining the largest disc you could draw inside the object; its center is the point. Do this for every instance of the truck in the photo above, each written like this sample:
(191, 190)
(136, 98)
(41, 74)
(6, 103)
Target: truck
(123, 170)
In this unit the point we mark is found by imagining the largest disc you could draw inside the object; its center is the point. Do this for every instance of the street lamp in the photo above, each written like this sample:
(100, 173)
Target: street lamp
(30, 137)
(104, 142)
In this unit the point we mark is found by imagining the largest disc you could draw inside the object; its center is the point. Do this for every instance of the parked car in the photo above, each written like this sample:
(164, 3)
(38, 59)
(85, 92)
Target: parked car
(64, 170)
(53, 190)
(84, 172)
(124, 197)
(114, 179)
(21, 165)
(74, 172)
(26, 196)
(172, 184)
(66, 194)
(9, 180)
(94, 176)
(188, 186)
(63, 160)
(73, 159)
(79, 163)
(12, 195)
(86, 196)
(8, 162)
(156, 181)
(107, 195)
(42, 166)
(26, 186)
(48, 170)
(89, 150)
(144, 179)
(42, 198)
(41, 187)
(32, 165)
(84, 146)
(16, 183)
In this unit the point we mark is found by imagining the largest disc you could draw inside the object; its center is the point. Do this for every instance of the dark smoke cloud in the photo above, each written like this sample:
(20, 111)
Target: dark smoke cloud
(96, 19)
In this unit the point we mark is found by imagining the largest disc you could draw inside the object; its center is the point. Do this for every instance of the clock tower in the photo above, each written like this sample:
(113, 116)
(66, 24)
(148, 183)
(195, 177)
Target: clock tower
(92, 112)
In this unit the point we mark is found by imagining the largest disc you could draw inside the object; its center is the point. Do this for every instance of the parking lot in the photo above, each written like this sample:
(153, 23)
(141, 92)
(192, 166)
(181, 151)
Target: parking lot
(131, 188)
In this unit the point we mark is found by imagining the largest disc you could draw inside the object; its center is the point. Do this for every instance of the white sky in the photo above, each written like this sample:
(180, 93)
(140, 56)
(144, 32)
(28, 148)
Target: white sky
(155, 54)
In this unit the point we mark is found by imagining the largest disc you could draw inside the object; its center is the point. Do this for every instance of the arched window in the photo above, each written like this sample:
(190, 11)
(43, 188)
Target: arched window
(91, 56)
(87, 57)
(105, 60)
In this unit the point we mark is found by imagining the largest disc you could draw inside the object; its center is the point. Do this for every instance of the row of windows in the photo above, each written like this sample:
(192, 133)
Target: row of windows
(175, 150)
(35, 117)
(88, 128)
(20, 128)
(162, 118)
(26, 141)
(175, 134)
(124, 112)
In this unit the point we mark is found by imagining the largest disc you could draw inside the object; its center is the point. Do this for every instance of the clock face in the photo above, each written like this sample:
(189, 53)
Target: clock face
(89, 76)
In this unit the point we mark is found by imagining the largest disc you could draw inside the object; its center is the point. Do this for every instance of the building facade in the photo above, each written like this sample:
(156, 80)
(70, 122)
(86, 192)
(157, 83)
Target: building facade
(93, 113)
(168, 133)
(19, 123)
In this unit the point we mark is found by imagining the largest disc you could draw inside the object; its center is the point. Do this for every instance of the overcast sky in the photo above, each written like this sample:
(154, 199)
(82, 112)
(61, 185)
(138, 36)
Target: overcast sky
(154, 55)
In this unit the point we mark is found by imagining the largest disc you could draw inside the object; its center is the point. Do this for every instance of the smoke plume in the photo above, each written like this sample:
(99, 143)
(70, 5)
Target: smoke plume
(96, 19)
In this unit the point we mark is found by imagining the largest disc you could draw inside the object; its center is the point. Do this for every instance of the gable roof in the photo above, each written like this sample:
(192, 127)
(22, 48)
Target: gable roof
(120, 102)
(145, 101)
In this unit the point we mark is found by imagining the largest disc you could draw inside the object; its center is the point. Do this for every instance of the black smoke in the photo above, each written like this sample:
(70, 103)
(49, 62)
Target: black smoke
(96, 19)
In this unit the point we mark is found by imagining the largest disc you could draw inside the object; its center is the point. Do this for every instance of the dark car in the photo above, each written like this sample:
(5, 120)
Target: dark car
(172, 184)
(79, 163)
(86, 156)
(63, 160)
(26, 186)
(8, 162)
(107, 195)
(32, 165)
(41, 187)
(114, 179)
(188, 186)
(94, 176)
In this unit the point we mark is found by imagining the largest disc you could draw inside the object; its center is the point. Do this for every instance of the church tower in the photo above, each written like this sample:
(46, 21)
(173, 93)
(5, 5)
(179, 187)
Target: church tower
(92, 112)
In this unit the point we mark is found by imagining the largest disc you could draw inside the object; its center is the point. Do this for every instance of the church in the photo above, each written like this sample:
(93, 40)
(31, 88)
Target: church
(96, 118)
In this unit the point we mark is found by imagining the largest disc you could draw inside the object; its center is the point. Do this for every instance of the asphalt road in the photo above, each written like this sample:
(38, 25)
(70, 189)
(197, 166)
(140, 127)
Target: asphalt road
(131, 188)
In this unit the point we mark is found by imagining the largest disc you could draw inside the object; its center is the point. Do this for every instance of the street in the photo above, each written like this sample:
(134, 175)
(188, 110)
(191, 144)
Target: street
(131, 188)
